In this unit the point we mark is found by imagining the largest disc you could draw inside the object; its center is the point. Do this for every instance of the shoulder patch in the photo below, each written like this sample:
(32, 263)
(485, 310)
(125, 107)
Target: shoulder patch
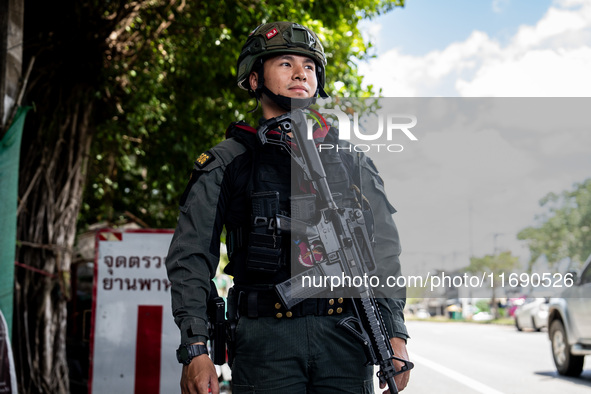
(204, 159)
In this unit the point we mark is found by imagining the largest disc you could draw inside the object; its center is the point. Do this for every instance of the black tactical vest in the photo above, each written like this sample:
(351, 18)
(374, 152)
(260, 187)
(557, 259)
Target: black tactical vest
(260, 254)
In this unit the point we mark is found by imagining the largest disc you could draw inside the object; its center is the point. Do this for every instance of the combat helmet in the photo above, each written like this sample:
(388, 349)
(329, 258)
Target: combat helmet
(277, 38)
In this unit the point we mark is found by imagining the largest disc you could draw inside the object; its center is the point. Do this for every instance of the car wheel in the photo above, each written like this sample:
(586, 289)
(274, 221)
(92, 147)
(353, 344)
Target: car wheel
(517, 324)
(565, 362)
(533, 324)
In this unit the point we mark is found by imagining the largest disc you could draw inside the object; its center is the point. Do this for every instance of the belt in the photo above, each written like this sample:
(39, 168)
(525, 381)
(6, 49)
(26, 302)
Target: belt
(266, 303)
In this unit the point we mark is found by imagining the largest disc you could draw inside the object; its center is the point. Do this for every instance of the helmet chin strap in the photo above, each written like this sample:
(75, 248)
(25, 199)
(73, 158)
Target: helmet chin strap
(287, 103)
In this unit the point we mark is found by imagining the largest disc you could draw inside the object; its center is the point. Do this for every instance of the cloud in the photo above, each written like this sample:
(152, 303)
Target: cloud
(401, 75)
(536, 73)
(569, 3)
(372, 33)
(498, 6)
(551, 59)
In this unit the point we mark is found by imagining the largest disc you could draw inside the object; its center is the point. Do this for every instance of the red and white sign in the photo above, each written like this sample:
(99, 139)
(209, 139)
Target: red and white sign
(134, 337)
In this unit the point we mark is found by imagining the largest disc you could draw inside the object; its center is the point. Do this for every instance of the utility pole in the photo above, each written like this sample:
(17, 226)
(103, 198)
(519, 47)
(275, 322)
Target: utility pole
(470, 241)
(495, 248)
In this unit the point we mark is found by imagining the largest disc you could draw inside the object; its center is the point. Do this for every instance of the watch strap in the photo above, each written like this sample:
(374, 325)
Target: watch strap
(185, 353)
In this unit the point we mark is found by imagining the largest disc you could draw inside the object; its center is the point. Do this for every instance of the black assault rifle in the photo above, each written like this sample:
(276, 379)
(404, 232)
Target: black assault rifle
(342, 235)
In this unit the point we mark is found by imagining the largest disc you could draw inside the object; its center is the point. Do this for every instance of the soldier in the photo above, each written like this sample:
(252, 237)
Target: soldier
(275, 350)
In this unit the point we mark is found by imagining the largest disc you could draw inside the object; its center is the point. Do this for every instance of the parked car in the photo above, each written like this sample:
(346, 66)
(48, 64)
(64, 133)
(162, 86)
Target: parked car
(533, 313)
(514, 303)
(483, 316)
(569, 322)
(422, 314)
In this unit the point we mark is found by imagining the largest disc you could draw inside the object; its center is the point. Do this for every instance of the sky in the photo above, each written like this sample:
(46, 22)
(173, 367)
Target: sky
(482, 48)
(470, 185)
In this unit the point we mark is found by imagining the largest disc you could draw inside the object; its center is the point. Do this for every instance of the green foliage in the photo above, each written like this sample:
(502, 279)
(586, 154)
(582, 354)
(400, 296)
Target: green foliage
(170, 91)
(503, 262)
(492, 266)
(483, 305)
(564, 229)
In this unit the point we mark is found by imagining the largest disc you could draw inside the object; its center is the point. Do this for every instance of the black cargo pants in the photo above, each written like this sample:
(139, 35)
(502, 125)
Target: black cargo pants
(299, 355)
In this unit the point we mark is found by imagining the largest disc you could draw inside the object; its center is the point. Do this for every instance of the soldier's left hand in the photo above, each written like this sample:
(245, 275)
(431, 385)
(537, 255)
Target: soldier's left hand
(399, 347)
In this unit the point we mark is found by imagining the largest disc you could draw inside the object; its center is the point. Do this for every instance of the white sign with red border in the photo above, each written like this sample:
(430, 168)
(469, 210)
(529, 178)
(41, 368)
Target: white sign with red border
(134, 337)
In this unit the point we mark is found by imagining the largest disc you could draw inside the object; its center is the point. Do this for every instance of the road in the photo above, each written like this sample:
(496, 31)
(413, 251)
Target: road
(480, 358)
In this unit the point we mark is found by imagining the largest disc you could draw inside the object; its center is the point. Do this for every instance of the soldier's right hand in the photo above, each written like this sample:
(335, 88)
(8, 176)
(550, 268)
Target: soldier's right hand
(200, 376)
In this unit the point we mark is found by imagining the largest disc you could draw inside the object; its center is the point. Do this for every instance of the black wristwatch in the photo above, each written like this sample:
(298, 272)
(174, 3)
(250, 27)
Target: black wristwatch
(185, 353)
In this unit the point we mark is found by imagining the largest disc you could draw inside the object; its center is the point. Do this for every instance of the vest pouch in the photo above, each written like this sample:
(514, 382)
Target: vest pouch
(264, 205)
(264, 253)
(303, 207)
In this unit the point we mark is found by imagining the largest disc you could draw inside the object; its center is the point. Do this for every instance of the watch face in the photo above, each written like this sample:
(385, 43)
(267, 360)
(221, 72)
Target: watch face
(185, 353)
(182, 354)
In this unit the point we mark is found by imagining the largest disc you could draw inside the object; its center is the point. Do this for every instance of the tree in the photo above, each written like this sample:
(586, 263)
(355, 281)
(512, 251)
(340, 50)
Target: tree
(564, 229)
(196, 58)
(126, 95)
(493, 266)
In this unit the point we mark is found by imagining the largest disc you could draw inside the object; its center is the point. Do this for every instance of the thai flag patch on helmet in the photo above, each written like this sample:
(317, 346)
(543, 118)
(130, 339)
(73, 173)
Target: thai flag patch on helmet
(272, 33)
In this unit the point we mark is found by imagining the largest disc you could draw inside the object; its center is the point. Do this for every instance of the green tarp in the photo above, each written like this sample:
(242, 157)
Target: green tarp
(9, 159)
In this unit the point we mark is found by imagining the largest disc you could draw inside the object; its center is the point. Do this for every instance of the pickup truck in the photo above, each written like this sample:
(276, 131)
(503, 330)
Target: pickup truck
(569, 322)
